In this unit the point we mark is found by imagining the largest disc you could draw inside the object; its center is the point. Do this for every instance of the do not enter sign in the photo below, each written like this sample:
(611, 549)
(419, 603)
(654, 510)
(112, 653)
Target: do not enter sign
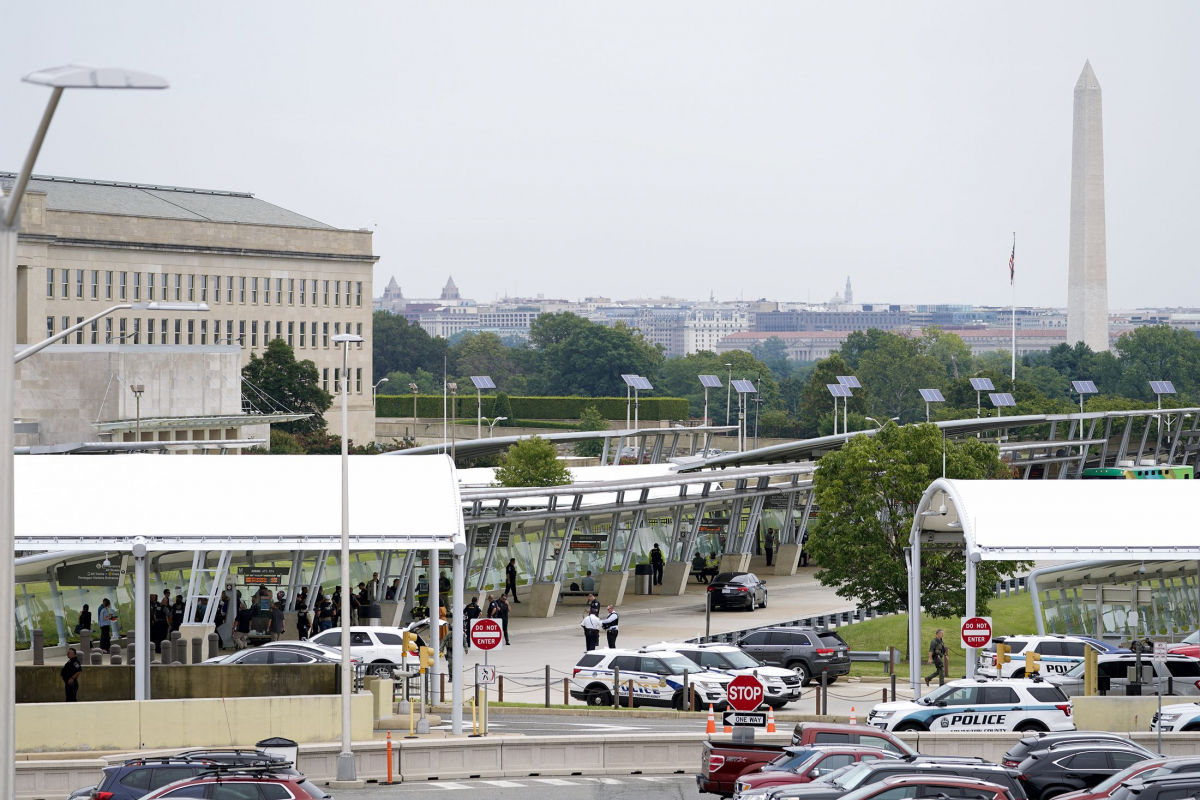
(745, 693)
(486, 634)
(976, 631)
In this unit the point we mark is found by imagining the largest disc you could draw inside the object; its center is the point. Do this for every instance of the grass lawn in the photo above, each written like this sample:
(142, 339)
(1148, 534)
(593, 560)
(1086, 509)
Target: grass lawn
(1010, 616)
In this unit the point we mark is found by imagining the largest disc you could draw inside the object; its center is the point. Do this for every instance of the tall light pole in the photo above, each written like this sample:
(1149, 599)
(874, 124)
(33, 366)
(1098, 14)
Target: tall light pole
(413, 388)
(481, 382)
(345, 762)
(375, 388)
(453, 387)
(58, 79)
(728, 392)
(137, 390)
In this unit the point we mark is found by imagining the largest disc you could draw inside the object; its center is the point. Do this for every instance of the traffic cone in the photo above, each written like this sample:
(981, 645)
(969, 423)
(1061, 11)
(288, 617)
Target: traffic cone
(770, 719)
(853, 719)
(712, 721)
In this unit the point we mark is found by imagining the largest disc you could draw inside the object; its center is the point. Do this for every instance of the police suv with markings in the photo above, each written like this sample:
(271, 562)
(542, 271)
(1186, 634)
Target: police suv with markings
(1177, 717)
(780, 686)
(658, 677)
(1056, 654)
(980, 704)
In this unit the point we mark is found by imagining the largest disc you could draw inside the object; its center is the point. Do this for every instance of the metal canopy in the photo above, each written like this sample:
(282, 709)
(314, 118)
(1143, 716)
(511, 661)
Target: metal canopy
(483, 382)
(839, 390)
(247, 503)
(982, 384)
(709, 381)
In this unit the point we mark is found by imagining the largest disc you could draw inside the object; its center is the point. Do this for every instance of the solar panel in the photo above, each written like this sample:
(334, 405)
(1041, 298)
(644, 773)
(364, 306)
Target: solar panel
(629, 379)
(1084, 387)
(641, 383)
(1162, 387)
(483, 382)
(1002, 399)
(744, 387)
(849, 380)
(982, 385)
(709, 381)
(838, 390)
(932, 395)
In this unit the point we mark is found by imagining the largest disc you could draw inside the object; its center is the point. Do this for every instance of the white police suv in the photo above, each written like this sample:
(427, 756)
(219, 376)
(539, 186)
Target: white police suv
(1177, 717)
(780, 686)
(1057, 653)
(658, 679)
(980, 704)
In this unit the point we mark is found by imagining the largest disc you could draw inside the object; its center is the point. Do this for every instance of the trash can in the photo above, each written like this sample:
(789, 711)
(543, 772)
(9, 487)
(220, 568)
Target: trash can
(643, 579)
(281, 748)
(373, 615)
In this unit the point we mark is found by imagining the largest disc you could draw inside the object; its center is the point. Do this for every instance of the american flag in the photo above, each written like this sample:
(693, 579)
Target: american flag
(1012, 260)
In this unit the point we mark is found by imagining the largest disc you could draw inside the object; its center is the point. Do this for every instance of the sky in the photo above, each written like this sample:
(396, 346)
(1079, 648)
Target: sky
(688, 149)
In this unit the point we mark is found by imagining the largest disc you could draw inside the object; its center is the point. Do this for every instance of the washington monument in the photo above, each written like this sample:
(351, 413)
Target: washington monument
(1087, 274)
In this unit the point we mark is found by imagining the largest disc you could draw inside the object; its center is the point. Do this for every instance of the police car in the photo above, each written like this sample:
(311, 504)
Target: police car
(780, 686)
(658, 679)
(1177, 717)
(1057, 654)
(980, 705)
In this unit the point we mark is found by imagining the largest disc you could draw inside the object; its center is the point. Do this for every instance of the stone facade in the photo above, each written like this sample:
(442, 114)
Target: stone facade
(264, 272)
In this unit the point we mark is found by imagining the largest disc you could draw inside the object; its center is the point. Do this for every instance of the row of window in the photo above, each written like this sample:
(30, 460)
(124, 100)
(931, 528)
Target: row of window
(177, 286)
(196, 331)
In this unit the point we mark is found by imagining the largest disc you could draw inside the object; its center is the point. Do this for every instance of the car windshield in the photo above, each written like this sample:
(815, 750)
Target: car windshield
(849, 777)
(792, 761)
(938, 694)
(738, 659)
(724, 577)
(1076, 671)
(677, 665)
(1116, 780)
(1192, 638)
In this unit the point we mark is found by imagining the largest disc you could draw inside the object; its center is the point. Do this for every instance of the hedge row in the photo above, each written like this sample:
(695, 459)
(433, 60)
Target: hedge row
(649, 408)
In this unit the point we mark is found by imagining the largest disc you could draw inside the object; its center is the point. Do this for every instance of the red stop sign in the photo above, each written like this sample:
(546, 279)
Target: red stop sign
(976, 631)
(486, 633)
(745, 693)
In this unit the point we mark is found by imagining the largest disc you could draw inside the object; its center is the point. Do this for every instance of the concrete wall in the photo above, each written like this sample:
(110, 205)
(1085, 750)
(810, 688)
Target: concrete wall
(1116, 713)
(218, 722)
(109, 683)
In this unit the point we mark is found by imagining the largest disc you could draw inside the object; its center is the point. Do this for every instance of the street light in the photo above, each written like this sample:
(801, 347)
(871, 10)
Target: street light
(453, 387)
(708, 382)
(412, 387)
(345, 762)
(58, 79)
(137, 390)
(374, 388)
(481, 382)
(728, 392)
(78, 326)
(493, 423)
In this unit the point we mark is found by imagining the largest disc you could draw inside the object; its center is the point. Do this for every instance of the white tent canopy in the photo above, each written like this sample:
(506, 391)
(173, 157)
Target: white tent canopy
(88, 503)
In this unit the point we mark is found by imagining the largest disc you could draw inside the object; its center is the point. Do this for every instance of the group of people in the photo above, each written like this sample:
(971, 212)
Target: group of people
(593, 623)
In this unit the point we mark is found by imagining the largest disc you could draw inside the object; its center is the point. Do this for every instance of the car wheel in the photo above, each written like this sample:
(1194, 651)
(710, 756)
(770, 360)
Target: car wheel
(599, 697)
(1019, 673)
(1033, 727)
(1054, 791)
(909, 726)
(801, 672)
(381, 669)
(753, 605)
(764, 602)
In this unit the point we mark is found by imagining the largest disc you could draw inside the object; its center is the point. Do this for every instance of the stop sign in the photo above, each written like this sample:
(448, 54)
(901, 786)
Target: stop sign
(976, 631)
(486, 633)
(745, 693)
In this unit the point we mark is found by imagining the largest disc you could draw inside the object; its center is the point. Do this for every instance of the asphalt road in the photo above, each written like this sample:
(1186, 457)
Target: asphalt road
(616, 787)
(562, 725)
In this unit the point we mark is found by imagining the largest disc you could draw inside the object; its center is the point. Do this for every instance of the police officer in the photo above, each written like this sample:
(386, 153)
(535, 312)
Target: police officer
(937, 657)
(609, 624)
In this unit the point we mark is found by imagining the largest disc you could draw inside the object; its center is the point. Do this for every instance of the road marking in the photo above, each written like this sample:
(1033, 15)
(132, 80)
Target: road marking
(651, 778)
(449, 785)
(555, 782)
(505, 784)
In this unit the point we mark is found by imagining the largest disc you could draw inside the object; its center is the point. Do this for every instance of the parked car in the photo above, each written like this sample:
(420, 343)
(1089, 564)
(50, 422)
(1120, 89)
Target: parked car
(234, 782)
(137, 776)
(1146, 768)
(1190, 646)
(780, 686)
(379, 646)
(939, 786)
(807, 651)
(1072, 766)
(1058, 654)
(979, 705)
(840, 733)
(1158, 787)
(658, 679)
(277, 655)
(737, 590)
(1177, 717)
(1044, 741)
(1174, 675)
(804, 764)
(836, 784)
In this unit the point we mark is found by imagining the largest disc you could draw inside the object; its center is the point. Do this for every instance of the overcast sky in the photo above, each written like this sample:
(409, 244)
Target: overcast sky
(640, 149)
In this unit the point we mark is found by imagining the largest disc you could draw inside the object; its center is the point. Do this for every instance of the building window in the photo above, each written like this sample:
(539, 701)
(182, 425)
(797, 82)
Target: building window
(178, 331)
(279, 291)
(279, 330)
(123, 286)
(203, 288)
(302, 327)
(137, 286)
(347, 294)
(358, 379)
(337, 293)
(325, 379)
(149, 285)
(191, 288)
(122, 335)
(254, 290)
(95, 331)
(254, 333)
(150, 329)
(228, 288)
(49, 327)
(242, 332)
(107, 330)
(79, 283)
(216, 283)
(290, 329)
(337, 329)
(50, 282)
(291, 291)
(325, 293)
(203, 331)
(358, 294)
(228, 331)
(178, 287)
(358, 329)
(242, 289)
(325, 333)
(137, 331)
(79, 333)
(314, 292)
(191, 331)
(66, 283)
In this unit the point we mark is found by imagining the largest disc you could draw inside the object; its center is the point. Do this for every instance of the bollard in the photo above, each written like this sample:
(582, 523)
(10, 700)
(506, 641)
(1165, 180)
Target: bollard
(631, 692)
(96, 656)
(442, 688)
(825, 691)
(38, 643)
(893, 687)
(85, 643)
(115, 660)
(547, 686)
(167, 649)
(500, 690)
(214, 648)
(616, 698)
(389, 758)
(566, 693)
(891, 667)
(691, 698)
(130, 652)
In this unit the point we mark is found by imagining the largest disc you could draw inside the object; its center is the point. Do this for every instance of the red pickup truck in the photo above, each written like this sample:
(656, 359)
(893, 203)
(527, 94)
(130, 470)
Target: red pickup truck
(722, 763)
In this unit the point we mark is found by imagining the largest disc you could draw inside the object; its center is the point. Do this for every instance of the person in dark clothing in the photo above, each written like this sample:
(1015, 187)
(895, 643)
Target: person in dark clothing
(472, 611)
(70, 675)
(769, 545)
(177, 612)
(610, 624)
(392, 590)
(593, 605)
(501, 613)
(937, 657)
(85, 620)
(241, 627)
(160, 622)
(698, 568)
(302, 623)
(510, 579)
(443, 585)
(656, 563)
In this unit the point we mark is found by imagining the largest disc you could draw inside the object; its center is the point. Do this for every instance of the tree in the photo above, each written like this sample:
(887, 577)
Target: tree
(1158, 353)
(482, 354)
(532, 462)
(590, 419)
(502, 407)
(578, 357)
(868, 493)
(894, 369)
(948, 348)
(397, 346)
(816, 404)
(289, 384)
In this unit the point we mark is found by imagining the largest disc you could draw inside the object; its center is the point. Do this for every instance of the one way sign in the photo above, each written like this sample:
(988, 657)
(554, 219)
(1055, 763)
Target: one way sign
(752, 719)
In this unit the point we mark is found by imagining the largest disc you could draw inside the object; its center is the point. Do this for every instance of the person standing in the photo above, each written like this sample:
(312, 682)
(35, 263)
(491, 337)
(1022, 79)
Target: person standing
(591, 631)
(510, 579)
(241, 627)
(70, 675)
(302, 623)
(769, 545)
(609, 624)
(593, 605)
(656, 563)
(276, 627)
(85, 620)
(937, 657)
(502, 615)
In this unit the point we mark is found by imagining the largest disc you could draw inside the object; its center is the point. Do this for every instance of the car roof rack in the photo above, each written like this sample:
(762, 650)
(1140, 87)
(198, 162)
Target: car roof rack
(263, 767)
(182, 758)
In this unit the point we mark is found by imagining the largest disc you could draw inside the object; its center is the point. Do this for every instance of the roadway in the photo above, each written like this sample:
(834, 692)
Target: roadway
(622, 787)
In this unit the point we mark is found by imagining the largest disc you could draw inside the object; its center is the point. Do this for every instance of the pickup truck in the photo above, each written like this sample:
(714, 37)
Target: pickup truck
(722, 763)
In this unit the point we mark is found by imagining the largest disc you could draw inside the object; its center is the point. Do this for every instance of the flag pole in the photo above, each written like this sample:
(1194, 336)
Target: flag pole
(1013, 283)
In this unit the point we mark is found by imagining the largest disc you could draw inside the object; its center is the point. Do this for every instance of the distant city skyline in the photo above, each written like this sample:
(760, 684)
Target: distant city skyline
(663, 148)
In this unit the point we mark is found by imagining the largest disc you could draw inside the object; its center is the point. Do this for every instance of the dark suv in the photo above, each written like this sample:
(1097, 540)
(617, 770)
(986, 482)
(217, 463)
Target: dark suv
(868, 772)
(806, 650)
(138, 776)
(1072, 766)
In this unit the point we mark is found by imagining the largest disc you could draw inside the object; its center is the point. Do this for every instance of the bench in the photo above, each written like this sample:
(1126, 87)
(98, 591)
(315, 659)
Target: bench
(565, 593)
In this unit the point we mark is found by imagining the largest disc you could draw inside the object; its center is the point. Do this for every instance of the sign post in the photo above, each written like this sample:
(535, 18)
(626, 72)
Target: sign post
(486, 634)
(745, 694)
(976, 633)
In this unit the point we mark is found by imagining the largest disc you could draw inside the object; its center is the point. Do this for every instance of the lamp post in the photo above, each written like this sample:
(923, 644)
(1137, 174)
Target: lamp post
(453, 387)
(492, 424)
(137, 390)
(728, 392)
(412, 387)
(374, 388)
(345, 762)
(58, 79)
